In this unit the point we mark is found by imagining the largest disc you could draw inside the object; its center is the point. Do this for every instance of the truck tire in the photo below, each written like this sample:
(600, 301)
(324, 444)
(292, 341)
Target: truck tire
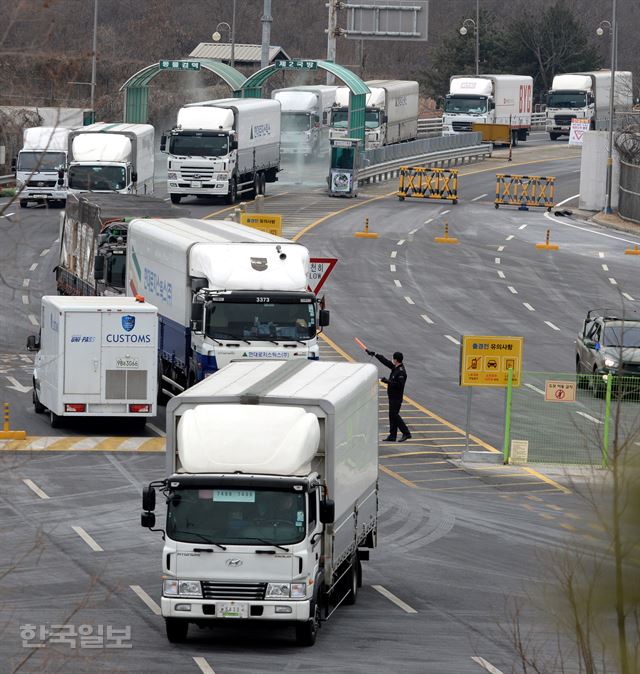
(23, 203)
(233, 192)
(37, 405)
(54, 420)
(307, 632)
(175, 198)
(177, 630)
(352, 580)
(554, 136)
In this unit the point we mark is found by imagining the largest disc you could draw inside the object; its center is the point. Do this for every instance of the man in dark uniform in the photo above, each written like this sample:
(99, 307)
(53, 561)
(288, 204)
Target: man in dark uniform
(395, 389)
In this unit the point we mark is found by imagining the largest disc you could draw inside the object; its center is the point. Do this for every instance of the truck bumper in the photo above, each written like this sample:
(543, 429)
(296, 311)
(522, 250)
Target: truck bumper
(219, 188)
(35, 194)
(203, 609)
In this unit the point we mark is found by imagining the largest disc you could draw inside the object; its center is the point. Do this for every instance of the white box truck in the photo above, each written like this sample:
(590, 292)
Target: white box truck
(224, 292)
(391, 114)
(586, 96)
(40, 165)
(306, 113)
(489, 99)
(223, 148)
(271, 492)
(95, 357)
(112, 158)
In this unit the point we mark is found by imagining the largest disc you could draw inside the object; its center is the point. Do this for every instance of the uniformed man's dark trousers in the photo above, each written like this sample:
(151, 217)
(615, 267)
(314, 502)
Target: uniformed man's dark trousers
(395, 420)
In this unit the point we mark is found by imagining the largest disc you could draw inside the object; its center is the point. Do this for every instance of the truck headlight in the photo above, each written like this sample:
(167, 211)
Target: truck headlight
(172, 176)
(182, 588)
(222, 176)
(610, 362)
(277, 591)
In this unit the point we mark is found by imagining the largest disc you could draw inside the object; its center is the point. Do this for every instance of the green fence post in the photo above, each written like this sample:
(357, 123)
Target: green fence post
(607, 416)
(507, 417)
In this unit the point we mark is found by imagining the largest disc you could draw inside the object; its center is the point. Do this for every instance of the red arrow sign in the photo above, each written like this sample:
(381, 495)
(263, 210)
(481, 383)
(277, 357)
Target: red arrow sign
(319, 270)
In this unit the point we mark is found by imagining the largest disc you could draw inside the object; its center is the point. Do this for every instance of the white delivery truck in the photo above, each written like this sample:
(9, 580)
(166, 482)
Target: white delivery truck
(586, 96)
(306, 113)
(223, 148)
(224, 292)
(489, 99)
(111, 158)
(271, 492)
(391, 114)
(96, 357)
(40, 165)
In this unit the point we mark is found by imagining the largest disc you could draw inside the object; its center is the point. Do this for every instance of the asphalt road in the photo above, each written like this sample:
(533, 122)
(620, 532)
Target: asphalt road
(455, 544)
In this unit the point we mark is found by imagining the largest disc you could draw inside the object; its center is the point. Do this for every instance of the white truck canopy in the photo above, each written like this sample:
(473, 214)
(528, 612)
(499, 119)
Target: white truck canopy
(49, 138)
(205, 117)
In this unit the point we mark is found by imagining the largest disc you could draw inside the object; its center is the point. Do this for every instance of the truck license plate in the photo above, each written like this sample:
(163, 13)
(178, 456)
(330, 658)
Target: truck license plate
(196, 183)
(232, 610)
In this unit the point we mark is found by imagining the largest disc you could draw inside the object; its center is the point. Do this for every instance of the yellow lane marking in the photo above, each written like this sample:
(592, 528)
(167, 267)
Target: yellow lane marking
(535, 498)
(568, 527)
(109, 443)
(546, 516)
(548, 480)
(395, 475)
(554, 507)
(399, 454)
(418, 463)
(447, 479)
(230, 208)
(420, 442)
(86, 444)
(488, 487)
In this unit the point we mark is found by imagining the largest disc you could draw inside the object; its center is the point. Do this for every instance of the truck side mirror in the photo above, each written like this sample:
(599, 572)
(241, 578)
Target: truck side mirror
(33, 343)
(14, 163)
(492, 105)
(148, 520)
(196, 317)
(163, 143)
(98, 267)
(61, 176)
(149, 498)
(385, 119)
(327, 511)
(233, 145)
(134, 177)
(323, 318)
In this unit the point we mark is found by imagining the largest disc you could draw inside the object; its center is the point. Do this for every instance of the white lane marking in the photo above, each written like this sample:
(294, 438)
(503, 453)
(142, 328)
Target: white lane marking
(485, 665)
(453, 339)
(501, 274)
(25, 282)
(44, 252)
(426, 318)
(398, 284)
(87, 539)
(16, 385)
(612, 281)
(393, 253)
(535, 388)
(588, 416)
(156, 430)
(7, 215)
(25, 299)
(526, 304)
(392, 598)
(56, 241)
(426, 222)
(33, 319)
(552, 326)
(409, 300)
(35, 489)
(512, 290)
(497, 260)
(413, 231)
(400, 242)
(500, 249)
(146, 599)
(445, 212)
(392, 267)
(205, 667)
(560, 221)
(522, 227)
(605, 268)
(568, 199)
(479, 197)
(509, 237)
(601, 254)
(628, 297)
(33, 267)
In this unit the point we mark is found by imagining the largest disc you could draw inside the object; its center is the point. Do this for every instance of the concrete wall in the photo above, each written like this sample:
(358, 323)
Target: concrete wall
(593, 172)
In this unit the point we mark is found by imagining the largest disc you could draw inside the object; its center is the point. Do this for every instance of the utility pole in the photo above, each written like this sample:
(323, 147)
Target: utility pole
(266, 20)
(614, 65)
(332, 28)
(233, 35)
(93, 60)
(477, 37)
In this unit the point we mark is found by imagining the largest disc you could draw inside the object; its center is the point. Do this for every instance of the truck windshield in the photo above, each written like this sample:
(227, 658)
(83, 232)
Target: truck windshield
(260, 321)
(40, 161)
(372, 119)
(340, 118)
(191, 145)
(106, 178)
(625, 336)
(292, 121)
(236, 516)
(567, 99)
(466, 104)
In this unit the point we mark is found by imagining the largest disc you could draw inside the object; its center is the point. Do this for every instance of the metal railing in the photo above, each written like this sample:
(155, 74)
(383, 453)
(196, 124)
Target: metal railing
(7, 179)
(538, 120)
(430, 126)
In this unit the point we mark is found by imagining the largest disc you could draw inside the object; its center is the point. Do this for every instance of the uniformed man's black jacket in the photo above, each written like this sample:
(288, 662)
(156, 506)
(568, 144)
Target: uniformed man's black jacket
(397, 378)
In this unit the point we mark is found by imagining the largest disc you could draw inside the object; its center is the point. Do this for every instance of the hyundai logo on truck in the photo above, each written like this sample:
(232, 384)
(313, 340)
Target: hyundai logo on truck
(128, 322)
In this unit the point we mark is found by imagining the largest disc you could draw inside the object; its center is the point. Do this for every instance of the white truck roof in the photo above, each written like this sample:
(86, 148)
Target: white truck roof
(101, 147)
(296, 101)
(240, 104)
(482, 85)
(130, 130)
(205, 117)
(50, 138)
(572, 82)
(66, 303)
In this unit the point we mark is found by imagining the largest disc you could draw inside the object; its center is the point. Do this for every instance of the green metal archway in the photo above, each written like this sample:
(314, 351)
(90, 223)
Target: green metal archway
(252, 88)
(136, 88)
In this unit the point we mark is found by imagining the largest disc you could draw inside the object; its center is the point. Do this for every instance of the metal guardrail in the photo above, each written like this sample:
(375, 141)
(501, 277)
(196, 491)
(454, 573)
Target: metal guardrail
(431, 126)
(538, 119)
(7, 179)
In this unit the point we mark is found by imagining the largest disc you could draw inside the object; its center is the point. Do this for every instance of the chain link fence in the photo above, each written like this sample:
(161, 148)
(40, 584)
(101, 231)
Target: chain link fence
(569, 419)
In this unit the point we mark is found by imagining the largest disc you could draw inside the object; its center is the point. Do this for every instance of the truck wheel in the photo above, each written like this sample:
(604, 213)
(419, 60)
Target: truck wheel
(37, 405)
(175, 198)
(23, 203)
(55, 420)
(554, 136)
(233, 192)
(352, 579)
(307, 632)
(177, 629)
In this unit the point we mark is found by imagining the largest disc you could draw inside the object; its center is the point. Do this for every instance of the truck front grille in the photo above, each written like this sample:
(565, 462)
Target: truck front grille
(196, 173)
(41, 183)
(563, 120)
(211, 590)
(461, 126)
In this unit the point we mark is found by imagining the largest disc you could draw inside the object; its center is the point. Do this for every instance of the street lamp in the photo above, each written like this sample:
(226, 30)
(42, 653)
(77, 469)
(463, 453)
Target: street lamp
(232, 34)
(613, 31)
(464, 29)
(93, 60)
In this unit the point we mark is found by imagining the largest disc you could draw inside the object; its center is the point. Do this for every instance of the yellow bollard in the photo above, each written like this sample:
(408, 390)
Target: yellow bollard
(7, 434)
(365, 233)
(446, 238)
(547, 245)
(632, 251)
